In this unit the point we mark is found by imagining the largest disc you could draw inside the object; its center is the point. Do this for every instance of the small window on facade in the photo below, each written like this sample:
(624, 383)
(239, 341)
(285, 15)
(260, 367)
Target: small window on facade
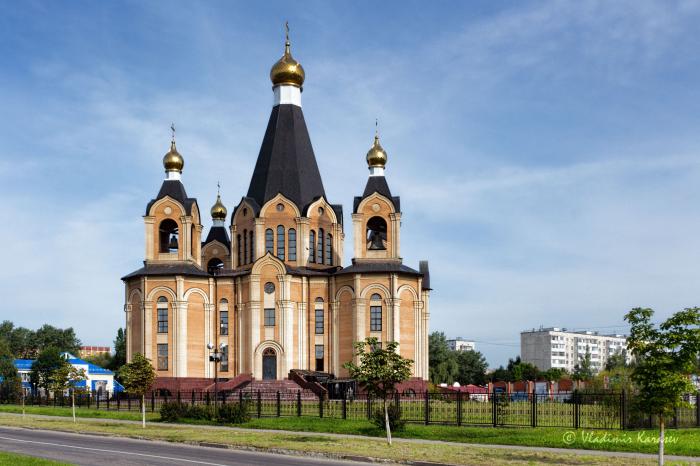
(168, 236)
(375, 318)
(252, 246)
(320, 246)
(224, 359)
(329, 249)
(319, 357)
(162, 315)
(312, 246)
(162, 357)
(223, 322)
(319, 322)
(245, 245)
(240, 254)
(280, 242)
(270, 317)
(269, 241)
(292, 246)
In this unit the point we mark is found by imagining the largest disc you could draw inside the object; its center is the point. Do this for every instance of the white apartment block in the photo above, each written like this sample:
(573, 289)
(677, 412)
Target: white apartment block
(558, 348)
(460, 344)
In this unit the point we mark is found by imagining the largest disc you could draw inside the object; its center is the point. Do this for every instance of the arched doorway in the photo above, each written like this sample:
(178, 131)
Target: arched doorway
(269, 364)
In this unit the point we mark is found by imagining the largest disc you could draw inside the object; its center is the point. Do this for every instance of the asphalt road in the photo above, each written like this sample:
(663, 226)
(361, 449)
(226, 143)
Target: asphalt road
(97, 450)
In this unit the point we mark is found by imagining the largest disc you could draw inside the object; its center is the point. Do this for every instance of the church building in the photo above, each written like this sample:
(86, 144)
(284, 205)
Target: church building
(268, 284)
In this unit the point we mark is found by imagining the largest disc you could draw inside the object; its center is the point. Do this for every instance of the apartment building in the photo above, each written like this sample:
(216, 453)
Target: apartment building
(460, 344)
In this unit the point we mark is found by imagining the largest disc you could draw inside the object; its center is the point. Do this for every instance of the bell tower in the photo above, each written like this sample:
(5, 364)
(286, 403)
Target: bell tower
(376, 214)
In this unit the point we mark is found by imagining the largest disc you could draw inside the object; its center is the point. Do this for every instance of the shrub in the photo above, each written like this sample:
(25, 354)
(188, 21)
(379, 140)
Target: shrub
(200, 413)
(233, 413)
(395, 422)
(172, 411)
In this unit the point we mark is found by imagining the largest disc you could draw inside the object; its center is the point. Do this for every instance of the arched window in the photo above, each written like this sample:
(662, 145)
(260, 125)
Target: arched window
(162, 308)
(269, 241)
(319, 317)
(312, 246)
(375, 313)
(168, 236)
(329, 249)
(320, 246)
(292, 246)
(376, 233)
(215, 265)
(240, 254)
(245, 245)
(252, 247)
(280, 242)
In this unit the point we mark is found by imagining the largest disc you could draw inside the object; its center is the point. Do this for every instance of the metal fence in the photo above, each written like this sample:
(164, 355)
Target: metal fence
(585, 410)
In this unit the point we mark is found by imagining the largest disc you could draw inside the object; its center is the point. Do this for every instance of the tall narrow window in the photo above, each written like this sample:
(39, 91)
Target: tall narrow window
(312, 246)
(270, 317)
(375, 313)
(162, 357)
(168, 235)
(319, 357)
(223, 322)
(329, 249)
(245, 245)
(240, 255)
(269, 241)
(319, 322)
(280, 242)
(292, 246)
(320, 246)
(224, 359)
(252, 246)
(162, 315)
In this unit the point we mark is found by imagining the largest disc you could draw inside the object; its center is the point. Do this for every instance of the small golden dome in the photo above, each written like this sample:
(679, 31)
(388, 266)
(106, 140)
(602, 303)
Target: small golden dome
(218, 210)
(376, 156)
(173, 161)
(287, 71)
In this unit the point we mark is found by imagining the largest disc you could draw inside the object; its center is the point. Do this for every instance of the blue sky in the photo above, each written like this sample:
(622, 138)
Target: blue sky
(546, 153)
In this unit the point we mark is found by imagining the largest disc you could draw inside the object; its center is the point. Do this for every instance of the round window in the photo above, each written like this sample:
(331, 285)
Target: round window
(280, 207)
(320, 211)
(269, 287)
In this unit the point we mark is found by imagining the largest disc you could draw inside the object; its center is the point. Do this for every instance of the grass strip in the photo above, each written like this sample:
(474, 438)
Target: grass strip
(13, 459)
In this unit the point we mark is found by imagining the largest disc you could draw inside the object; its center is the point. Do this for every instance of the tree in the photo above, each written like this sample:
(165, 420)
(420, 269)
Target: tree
(137, 378)
(583, 370)
(501, 374)
(63, 339)
(103, 360)
(471, 367)
(379, 371)
(44, 367)
(27, 344)
(67, 377)
(10, 381)
(525, 371)
(554, 374)
(615, 360)
(442, 362)
(119, 358)
(666, 356)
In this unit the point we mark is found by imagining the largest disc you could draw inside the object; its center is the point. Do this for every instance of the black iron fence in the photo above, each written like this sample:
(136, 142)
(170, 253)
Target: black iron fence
(585, 410)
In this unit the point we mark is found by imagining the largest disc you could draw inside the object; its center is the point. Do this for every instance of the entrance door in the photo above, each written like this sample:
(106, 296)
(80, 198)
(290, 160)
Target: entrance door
(269, 361)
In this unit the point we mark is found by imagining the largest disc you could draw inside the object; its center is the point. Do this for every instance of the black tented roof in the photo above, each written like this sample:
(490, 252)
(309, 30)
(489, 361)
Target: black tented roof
(218, 234)
(377, 184)
(176, 190)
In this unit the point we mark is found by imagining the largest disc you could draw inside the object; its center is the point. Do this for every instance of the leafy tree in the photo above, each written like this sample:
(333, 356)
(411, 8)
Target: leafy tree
(554, 374)
(119, 358)
(471, 367)
(666, 356)
(618, 359)
(501, 375)
(63, 339)
(10, 381)
(101, 359)
(67, 377)
(442, 362)
(27, 344)
(525, 371)
(379, 371)
(137, 377)
(44, 367)
(583, 370)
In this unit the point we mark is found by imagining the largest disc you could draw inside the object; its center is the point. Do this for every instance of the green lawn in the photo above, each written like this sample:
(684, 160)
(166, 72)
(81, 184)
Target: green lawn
(686, 441)
(12, 459)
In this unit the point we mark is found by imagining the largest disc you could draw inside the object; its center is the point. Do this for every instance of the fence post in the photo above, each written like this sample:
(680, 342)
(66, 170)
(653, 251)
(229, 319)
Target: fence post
(208, 398)
(259, 404)
(179, 397)
(320, 405)
(577, 407)
(427, 407)
(108, 397)
(119, 401)
(459, 408)
(128, 402)
(97, 401)
(345, 406)
(397, 402)
(240, 396)
(533, 408)
(369, 406)
(279, 404)
(153, 401)
(494, 419)
(697, 409)
(623, 408)
(193, 397)
(298, 402)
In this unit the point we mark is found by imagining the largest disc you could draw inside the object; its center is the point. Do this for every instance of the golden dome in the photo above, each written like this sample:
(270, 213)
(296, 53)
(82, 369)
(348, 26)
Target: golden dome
(287, 70)
(218, 210)
(376, 156)
(173, 161)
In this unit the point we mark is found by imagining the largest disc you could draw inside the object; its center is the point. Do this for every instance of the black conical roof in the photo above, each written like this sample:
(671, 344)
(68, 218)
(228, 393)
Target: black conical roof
(286, 163)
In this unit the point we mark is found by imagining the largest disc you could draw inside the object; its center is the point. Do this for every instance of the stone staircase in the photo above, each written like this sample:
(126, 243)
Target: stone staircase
(268, 388)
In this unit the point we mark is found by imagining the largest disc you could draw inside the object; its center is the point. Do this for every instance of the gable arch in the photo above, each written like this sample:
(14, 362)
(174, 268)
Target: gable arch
(196, 291)
(345, 289)
(269, 259)
(276, 200)
(375, 286)
(218, 244)
(160, 289)
(373, 198)
(327, 208)
(164, 200)
(408, 288)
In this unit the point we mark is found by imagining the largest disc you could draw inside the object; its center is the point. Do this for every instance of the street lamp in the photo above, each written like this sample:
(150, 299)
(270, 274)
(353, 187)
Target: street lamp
(215, 355)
